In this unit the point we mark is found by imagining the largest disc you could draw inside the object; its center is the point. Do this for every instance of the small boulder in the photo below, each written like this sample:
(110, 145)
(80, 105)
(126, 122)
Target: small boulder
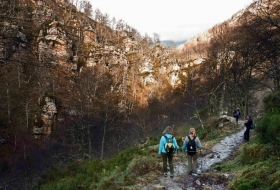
(3, 141)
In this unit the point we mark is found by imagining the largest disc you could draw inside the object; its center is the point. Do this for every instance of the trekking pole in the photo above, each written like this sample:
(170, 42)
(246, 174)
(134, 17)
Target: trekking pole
(200, 150)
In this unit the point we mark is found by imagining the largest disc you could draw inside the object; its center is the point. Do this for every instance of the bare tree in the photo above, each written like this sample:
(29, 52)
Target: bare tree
(86, 7)
(156, 38)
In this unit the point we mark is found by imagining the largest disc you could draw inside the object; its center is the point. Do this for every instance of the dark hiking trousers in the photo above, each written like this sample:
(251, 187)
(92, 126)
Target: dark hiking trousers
(236, 118)
(168, 158)
(247, 134)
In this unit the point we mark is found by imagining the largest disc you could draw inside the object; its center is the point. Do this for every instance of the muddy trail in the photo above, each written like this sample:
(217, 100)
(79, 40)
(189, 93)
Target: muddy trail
(203, 179)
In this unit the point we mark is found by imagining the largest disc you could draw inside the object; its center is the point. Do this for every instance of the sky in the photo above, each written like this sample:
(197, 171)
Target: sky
(175, 20)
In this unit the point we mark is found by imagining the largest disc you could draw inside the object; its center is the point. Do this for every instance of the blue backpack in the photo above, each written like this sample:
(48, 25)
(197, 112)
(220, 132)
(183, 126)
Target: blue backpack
(253, 125)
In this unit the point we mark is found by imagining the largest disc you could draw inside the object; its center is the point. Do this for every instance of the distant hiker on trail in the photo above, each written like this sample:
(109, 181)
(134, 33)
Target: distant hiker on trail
(248, 125)
(236, 114)
(191, 144)
(166, 149)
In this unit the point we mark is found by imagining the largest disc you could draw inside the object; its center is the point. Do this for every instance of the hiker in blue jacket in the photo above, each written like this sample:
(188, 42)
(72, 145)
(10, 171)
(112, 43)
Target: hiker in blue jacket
(192, 156)
(236, 114)
(167, 133)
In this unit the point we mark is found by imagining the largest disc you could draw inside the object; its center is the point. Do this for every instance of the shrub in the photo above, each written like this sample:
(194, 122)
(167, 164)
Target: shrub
(272, 102)
(244, 186)
(268, 129)
(254, 153)
(144, 166)
(261, 175)
(122, 159)
(94, 169)
(249, 184)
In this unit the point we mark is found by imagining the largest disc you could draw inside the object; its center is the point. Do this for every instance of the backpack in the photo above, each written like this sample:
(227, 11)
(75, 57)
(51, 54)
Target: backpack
(253, 125)
(169, 146)
(191, 146)
(236, 113)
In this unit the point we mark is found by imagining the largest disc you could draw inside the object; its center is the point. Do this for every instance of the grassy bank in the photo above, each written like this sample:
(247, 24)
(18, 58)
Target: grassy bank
(130, 169)
(253, 166)
(256, 164)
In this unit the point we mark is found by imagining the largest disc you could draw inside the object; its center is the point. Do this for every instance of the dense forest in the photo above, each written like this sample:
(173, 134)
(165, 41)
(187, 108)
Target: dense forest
(74, 81)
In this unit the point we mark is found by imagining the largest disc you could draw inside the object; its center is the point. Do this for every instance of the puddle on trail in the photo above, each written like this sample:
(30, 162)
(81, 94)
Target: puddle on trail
(219, 152)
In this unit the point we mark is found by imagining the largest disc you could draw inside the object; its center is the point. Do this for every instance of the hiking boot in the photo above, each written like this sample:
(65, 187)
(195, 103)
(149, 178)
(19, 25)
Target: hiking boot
(190, 173)
(165, 174)
(171, 175)
(194, 173)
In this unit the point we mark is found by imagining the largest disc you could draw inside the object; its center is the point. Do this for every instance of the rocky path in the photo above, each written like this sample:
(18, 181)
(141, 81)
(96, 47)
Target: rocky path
(183, 181)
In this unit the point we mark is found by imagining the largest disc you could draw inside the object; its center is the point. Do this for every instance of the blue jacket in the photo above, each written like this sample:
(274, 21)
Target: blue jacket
(162, 142)
(197, 142)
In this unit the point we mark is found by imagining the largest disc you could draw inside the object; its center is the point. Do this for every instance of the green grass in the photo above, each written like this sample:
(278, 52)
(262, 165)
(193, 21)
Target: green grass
(261, 175)
(122, 170)
(256, 165)
(252, 169)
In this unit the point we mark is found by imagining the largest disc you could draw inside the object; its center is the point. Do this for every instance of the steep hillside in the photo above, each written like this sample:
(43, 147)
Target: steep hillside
(73, 86)
(71, 83)
(231, 46)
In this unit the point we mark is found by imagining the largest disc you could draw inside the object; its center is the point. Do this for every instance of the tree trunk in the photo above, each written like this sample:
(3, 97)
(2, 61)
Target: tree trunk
(27, 114)
(222, 100)
(103, 136)
(8, 104)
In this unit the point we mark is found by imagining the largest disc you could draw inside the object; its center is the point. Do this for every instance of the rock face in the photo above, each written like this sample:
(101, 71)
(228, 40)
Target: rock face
(48, 116)
(66, 38)
(58, 37)
(55, 46)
